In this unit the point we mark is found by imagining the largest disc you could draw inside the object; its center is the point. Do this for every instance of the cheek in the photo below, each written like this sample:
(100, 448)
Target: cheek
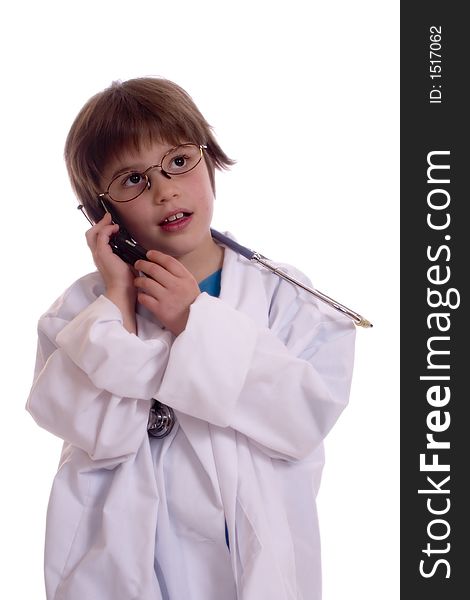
(205, 195)
(132, 217)
(206, 206)
(123, 213)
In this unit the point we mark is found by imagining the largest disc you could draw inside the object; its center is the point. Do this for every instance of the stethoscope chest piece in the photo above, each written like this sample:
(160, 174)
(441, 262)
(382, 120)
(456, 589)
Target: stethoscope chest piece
(161, 419)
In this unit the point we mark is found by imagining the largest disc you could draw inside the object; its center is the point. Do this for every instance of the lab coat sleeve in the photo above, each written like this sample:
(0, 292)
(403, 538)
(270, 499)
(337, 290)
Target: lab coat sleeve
(283, 386)
(94, 380)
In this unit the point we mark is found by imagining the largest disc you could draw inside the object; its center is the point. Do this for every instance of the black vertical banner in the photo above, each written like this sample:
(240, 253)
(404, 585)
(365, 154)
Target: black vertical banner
(435, 269)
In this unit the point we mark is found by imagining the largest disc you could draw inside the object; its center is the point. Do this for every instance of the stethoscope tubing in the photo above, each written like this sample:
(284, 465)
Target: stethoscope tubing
(253, 256)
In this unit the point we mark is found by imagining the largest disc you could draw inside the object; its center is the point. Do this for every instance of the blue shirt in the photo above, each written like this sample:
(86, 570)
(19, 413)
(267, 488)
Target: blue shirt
(211, 284)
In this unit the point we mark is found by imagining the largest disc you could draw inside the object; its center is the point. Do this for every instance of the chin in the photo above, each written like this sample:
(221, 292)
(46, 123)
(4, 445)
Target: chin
(175, 248)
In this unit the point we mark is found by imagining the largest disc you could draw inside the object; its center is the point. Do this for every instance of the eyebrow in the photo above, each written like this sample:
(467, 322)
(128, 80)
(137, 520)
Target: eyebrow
(123, 170)
(130, 169)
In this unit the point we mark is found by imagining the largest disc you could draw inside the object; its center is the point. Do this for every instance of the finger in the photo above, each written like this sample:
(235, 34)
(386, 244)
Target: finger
(168, 262)
(100, 236)
(92, 232)
(105, 234)
(156, 272)
(106, 218)
(149, 302)
(149, 286)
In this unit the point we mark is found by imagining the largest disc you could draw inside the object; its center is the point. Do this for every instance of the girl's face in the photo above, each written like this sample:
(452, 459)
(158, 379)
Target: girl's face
(146, 217)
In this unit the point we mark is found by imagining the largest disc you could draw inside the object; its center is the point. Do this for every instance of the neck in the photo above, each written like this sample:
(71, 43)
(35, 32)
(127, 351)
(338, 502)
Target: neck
(204, 261)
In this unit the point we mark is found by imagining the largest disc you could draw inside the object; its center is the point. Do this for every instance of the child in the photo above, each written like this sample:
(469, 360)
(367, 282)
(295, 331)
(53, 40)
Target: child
(255, 370)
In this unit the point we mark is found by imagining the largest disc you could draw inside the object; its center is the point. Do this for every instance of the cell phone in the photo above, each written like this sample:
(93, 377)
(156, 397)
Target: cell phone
(122, 243)
(127, 248)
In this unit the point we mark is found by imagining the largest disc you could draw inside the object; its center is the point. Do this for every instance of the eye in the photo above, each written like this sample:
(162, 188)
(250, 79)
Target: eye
(132, 179)
(179, 161)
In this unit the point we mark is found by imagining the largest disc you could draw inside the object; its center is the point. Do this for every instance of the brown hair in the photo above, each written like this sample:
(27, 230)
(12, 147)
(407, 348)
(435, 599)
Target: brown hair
(126, 115)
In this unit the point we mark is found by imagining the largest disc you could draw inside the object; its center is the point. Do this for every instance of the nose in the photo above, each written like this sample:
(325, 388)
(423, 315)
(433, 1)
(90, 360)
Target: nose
(162, 186)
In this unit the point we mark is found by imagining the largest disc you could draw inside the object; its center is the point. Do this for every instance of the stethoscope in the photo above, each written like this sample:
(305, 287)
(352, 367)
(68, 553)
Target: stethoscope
(162, 418)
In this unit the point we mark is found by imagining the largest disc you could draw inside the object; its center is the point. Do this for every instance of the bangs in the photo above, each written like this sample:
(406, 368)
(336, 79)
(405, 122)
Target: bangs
(128, 123)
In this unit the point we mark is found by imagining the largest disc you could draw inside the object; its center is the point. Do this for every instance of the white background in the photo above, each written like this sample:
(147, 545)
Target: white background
(304, 95)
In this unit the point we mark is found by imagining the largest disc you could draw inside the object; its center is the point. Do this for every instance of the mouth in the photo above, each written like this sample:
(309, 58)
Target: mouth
(174, 217)
(176, 221)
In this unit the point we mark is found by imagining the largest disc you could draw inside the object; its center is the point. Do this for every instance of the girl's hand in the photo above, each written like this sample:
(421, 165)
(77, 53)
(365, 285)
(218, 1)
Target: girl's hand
(116, 273)
(168, 291)
(118, 276)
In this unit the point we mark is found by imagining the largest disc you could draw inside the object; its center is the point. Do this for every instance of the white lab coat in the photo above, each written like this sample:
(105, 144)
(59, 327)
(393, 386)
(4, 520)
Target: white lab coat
(256, 380)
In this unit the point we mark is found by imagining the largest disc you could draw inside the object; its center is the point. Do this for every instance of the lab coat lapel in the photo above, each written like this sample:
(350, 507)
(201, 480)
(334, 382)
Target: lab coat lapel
(198, 435)
(234, 274)
(242, 286)
(271, 565)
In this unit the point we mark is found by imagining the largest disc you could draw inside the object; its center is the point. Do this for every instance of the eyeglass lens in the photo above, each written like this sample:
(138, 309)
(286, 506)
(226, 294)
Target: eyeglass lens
(177, 161)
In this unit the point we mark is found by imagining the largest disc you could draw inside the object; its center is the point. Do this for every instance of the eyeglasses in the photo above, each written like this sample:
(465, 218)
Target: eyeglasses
(129, 185)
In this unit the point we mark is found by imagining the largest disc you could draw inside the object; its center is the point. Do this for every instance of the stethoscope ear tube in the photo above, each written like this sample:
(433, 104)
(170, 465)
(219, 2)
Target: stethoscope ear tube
(251, 255)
